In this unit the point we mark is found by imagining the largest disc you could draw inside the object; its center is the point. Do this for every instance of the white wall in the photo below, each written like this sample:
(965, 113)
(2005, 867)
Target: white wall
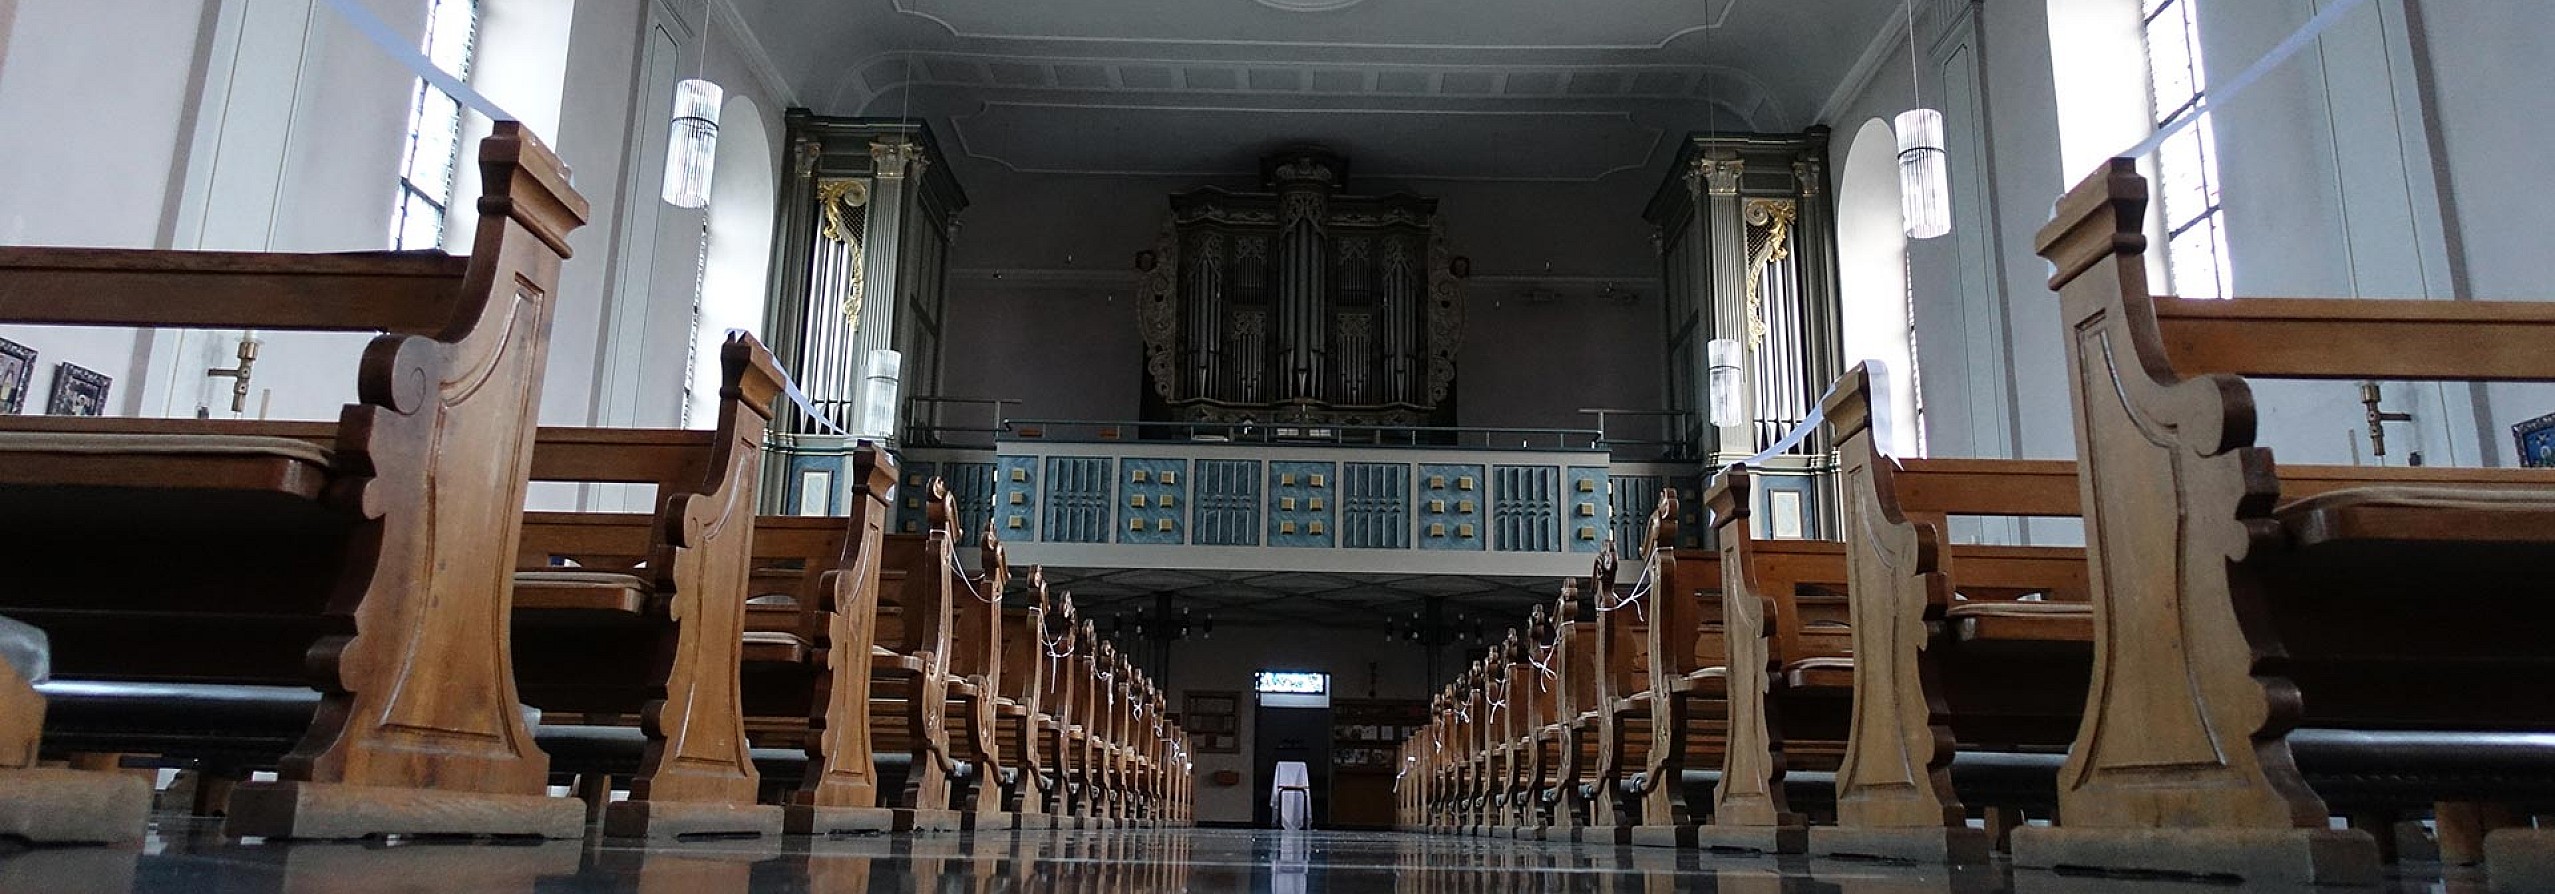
(2377, 164)
(66, 66)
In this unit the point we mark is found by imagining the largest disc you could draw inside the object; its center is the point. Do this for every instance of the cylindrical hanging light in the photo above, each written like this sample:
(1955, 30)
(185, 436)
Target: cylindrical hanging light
(1729, 388)
(878, 396)
(693, 147)
(1924, 175)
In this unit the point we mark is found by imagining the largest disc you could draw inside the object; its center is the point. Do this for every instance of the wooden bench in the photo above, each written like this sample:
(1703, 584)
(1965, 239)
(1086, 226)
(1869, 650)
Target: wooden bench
(909, 667)
(1791, 671)
(975, 687)
(1621, 703)
(808, 657)
(2389, 604)
(361, 559)
(1564, 752)
(1022, 723)
(1688, 669)
(1975, 649)
(642, 615)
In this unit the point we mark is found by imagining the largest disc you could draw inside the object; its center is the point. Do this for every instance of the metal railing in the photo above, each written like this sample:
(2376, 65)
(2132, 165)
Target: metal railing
(1675, 433)
(1301, 433)
(929, 423)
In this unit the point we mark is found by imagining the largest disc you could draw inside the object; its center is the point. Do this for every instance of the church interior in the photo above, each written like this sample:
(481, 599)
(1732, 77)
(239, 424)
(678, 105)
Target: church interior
(1281, 445)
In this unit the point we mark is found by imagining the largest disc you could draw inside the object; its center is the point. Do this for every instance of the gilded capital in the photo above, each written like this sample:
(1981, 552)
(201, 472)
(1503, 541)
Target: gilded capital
(1721, 175)
(892, 158)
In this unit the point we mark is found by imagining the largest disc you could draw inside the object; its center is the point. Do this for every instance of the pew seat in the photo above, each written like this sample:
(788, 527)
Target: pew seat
(2007, 621)
(606, 592)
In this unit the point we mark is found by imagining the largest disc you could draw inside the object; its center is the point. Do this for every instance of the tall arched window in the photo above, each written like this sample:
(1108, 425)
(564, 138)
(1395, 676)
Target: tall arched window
(2124, 69)
(429, 155)
(2187, 163)
(1880, 319)
(736, 251)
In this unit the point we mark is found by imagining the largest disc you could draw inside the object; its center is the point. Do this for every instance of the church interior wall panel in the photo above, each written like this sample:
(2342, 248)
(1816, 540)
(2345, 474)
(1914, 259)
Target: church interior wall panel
(912, 492)
(1303, 503)
(1016, 498)
(1525, 509)
(1076, 500)
(1228, 502)
(1590, 518)
(1450, 506)
(1153, 501)
(2470, 54)
(1375, 506)
(972, 489)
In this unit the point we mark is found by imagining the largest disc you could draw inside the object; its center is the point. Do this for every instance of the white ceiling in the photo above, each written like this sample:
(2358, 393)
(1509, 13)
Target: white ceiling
(1545, 90)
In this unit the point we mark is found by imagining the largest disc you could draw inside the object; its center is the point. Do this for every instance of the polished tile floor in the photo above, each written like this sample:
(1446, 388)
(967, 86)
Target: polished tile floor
(184, 857)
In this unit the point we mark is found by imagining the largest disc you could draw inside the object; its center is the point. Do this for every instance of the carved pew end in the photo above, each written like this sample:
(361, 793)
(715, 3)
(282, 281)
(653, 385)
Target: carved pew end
(2259, 856)
(324, 810)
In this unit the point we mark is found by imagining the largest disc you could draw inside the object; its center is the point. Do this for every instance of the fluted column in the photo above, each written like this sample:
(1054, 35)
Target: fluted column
(1725, 230)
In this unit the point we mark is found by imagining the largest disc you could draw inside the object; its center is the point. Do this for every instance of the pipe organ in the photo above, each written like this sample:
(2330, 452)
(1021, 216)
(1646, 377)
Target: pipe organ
(1747, 241)
(860, 256)
(1301, 303)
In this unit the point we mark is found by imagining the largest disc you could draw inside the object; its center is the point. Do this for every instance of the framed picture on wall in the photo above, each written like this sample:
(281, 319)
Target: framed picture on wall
(2536, 442)
(1211, 720)
(78, 391)
(17, 372)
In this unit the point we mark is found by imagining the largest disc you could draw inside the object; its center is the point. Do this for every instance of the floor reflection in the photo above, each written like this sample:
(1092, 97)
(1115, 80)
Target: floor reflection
(186, 857)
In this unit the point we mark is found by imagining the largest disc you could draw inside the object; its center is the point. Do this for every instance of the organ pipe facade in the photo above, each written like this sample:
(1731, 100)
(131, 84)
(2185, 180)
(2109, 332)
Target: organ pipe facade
(1301, 303)
(1747, 240)
(860, 251)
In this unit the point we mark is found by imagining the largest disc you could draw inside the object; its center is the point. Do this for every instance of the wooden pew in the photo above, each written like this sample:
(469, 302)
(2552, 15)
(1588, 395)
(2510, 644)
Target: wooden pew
(1559, 759)
(643, 614)
(1514, 736)
(2225, 617)
(1083, 773)
(975, 686)
(370, 559)
(1623, 699)
(1061, 684)
(1790, 683)
(909, 667)
(1949, 655)
(812, 657)
(1019, 711)
(1688, 662)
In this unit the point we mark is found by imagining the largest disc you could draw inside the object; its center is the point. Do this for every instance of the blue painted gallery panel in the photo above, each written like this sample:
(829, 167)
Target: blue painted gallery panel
(1077, 499)
(1303, 503)
(1016, 498)
(913, 487)
(1227, 498)
(1525, 502)
(1375, 506)
(1153, 500)
(1450, 506)
(1587, 523)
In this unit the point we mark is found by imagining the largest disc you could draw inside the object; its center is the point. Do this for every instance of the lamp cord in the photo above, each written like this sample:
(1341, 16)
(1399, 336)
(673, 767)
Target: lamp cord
(1915, 77)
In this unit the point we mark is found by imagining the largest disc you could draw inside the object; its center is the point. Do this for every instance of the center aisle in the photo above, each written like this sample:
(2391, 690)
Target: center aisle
(182, 857)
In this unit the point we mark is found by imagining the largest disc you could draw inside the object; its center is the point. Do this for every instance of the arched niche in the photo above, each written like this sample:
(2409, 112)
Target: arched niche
(1872, 274)
(736, 262)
